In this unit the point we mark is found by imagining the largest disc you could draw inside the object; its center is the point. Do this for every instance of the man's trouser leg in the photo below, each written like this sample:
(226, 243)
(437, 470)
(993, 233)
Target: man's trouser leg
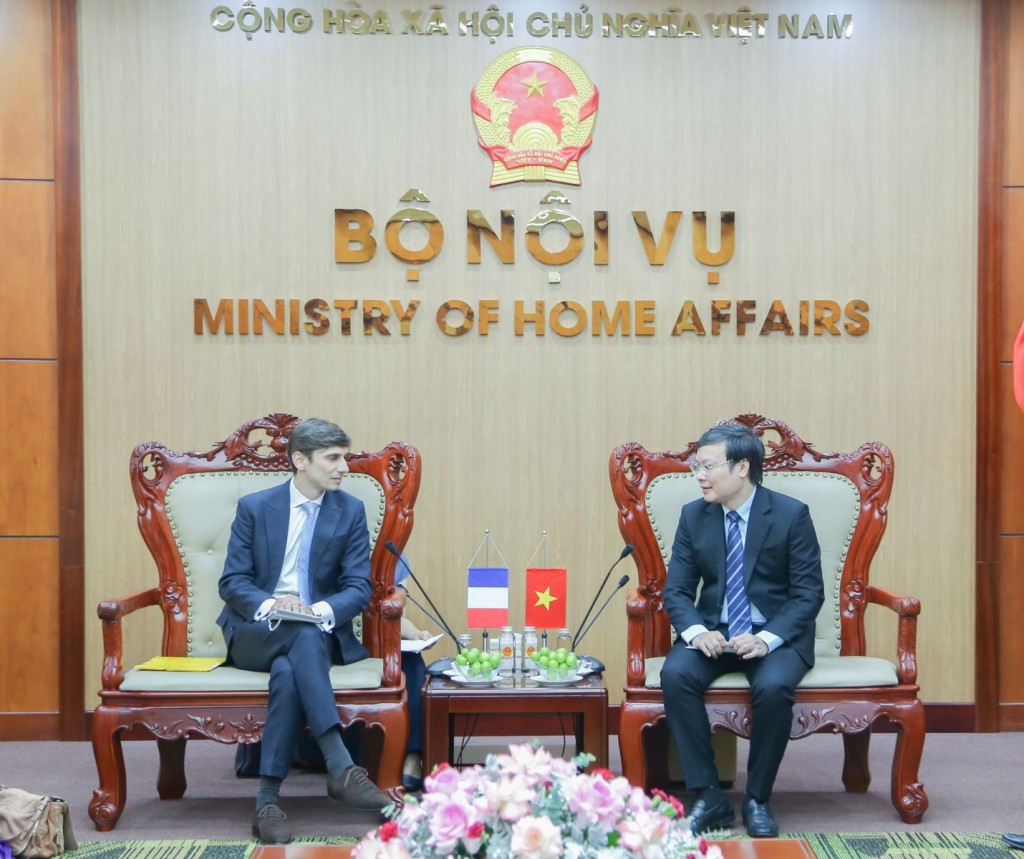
(298, 657)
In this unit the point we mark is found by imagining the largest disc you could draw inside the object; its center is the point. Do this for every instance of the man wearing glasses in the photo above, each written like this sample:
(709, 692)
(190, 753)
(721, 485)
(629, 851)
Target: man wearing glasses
(754, 556)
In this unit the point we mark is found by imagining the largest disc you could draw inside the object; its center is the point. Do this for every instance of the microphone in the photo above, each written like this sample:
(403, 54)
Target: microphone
(419, 605)
(626, 551)
(393, 549)
(618, 587)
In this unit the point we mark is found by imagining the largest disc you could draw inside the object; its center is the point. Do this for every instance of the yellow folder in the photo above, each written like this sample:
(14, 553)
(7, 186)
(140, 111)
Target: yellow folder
(181, 663)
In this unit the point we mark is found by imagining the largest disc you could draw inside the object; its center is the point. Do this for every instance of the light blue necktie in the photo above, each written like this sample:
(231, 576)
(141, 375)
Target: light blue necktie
(736, 592)
(305, 542)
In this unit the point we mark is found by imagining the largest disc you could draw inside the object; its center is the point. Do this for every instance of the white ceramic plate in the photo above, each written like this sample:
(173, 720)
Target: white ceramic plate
(568, 681)
(474, 681)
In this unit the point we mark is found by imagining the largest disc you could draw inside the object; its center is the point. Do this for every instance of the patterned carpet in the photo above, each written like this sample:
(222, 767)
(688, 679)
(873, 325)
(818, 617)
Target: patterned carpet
(899, 845)
(200, 848)
(912, 845)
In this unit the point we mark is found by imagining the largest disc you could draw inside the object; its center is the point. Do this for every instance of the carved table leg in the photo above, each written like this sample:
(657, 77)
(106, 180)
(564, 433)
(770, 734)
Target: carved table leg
(907, 792)
(170, 782)
(108, 799)
(856, 770)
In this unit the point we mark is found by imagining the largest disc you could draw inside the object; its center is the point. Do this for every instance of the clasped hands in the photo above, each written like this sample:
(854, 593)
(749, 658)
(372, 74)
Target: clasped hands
(290, 602)
(747, 646)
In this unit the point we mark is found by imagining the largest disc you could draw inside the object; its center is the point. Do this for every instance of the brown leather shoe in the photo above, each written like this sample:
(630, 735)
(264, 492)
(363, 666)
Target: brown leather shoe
(354, 788)
(270, 826)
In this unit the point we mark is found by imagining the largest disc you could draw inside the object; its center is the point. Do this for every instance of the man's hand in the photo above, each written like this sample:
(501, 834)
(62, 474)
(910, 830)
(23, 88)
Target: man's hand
(749, 646)
(709, 643)
(290, 602)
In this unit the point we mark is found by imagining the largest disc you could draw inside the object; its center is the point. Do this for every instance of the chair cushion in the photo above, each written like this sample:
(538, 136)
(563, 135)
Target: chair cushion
(365, 674)
(829, 672)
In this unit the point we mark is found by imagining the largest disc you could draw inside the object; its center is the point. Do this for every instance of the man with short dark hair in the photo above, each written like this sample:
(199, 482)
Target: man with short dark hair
(754, 556)
(303, 547)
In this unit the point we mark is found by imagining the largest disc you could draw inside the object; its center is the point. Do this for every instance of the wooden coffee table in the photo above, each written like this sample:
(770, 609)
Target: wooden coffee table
(779, 848)
(444, 700)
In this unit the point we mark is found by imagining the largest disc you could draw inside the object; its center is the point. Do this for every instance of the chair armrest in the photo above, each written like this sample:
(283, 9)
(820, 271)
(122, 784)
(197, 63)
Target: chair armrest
(110, 613)
(908, 608)
(636, 621)
(391, 610)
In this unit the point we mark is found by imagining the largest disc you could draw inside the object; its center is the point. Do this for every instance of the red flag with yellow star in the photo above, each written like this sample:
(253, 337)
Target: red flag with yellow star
(545, 597)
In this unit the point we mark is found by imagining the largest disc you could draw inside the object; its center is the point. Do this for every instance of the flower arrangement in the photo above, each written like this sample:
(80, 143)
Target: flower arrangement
(532, 805)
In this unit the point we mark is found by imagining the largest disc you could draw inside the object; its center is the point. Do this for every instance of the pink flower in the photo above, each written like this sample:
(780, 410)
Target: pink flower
(644, 834)
(444, 779)
(593, 800)
(536, 838)
(449, 822)
(388, 830)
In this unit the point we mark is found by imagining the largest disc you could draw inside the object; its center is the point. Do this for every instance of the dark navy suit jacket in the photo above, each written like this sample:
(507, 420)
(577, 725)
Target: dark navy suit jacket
(339, 561)
(781, 568)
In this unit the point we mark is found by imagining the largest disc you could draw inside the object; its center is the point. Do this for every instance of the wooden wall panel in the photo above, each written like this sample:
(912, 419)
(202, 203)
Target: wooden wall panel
(29, 482)
(28, 327)
(1014, 151)
(30, 603)
(26, 82)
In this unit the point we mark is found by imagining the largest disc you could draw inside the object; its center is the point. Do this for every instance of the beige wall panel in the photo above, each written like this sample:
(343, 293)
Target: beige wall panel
(26, 109)
(27, 280)
(212, 166)
(28, 411)
(1014, 149)
(30, 667)
(1011, 598)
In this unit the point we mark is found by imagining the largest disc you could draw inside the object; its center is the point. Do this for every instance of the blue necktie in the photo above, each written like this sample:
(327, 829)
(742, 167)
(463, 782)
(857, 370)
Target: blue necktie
(735, 591)
(305, 542)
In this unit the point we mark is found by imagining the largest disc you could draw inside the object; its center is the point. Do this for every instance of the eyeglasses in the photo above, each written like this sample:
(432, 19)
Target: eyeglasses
(698, 469)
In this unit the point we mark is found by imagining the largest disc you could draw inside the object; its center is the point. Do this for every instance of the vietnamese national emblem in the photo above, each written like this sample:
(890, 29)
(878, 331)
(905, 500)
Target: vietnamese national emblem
(535, 110)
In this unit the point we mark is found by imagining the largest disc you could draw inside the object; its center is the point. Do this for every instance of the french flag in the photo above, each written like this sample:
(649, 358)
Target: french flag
(488, 597)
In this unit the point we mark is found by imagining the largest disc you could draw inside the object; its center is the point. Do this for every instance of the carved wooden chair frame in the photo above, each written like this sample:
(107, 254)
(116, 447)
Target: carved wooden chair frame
(171, 718)
(849, 711)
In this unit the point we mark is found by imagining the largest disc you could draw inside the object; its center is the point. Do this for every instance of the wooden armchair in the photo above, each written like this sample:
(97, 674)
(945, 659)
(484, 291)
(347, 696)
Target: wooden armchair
(186, 503)
(846, 690)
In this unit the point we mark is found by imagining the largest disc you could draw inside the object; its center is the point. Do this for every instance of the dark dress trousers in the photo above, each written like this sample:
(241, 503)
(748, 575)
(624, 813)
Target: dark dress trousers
(297, 655)
(782, 573)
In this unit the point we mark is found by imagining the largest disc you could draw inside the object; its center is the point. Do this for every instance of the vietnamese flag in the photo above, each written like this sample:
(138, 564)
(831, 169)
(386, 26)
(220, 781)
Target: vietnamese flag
(545, 597)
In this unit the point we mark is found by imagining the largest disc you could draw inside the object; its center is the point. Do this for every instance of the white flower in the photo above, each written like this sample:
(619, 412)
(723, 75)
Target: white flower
(509, 798)
(527, 761)
(536, 838)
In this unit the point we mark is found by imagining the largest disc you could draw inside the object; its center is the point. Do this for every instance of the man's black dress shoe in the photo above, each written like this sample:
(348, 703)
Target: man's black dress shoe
(717, 816)
(1015, 841)
(758, 819)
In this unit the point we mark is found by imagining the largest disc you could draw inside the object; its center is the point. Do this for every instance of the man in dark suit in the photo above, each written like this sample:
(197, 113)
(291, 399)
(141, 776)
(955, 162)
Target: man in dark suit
(303, 547)
(754, 555)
